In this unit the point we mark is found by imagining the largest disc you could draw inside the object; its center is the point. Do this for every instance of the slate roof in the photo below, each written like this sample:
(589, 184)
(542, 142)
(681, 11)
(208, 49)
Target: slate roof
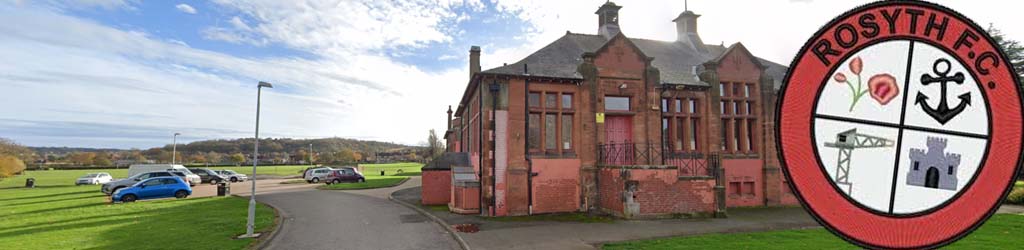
(448, 160)
(678, 62)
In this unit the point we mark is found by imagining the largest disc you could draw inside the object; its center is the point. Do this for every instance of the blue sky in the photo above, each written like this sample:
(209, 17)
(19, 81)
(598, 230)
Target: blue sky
(129, 74)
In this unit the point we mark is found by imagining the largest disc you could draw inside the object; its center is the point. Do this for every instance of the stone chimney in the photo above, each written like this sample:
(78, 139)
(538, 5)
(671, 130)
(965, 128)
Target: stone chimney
(686, 30)
(474, 61)
(449, 117)
(608, 19)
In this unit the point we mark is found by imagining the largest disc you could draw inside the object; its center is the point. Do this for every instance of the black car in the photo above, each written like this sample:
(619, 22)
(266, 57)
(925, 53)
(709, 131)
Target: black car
(208, 176)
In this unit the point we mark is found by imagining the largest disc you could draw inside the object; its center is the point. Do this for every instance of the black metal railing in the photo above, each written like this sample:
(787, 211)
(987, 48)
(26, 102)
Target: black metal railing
(689, 163)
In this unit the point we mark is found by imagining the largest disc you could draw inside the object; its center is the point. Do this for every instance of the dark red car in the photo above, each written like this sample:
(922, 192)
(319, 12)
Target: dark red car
(340, 175)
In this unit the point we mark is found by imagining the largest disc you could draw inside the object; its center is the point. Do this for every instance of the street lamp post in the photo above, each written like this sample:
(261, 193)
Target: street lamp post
(310, 155)
(255, 160)
(174, 148)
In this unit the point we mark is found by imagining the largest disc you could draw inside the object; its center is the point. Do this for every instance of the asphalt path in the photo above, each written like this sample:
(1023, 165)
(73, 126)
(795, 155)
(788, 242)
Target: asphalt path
(366, 219)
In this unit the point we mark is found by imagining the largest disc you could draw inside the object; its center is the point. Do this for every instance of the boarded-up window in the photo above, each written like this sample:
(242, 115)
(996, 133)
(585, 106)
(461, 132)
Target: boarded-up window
(550, 130)
(679, 123)
(550, 122)
(534, 131)
(566, 132)
(740, 118)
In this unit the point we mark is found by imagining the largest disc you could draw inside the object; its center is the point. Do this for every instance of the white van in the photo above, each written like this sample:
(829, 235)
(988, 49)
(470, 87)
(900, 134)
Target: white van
(146, 168)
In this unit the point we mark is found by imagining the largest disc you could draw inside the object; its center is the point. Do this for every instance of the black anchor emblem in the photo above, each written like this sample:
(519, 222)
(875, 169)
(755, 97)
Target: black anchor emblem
(943, 113)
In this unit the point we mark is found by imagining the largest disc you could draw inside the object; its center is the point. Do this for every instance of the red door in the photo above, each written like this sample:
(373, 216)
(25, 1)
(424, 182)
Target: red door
(618, 140)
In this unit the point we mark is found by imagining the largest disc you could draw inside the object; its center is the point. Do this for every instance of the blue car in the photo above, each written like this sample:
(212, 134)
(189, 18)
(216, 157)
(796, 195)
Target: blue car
(153, 188)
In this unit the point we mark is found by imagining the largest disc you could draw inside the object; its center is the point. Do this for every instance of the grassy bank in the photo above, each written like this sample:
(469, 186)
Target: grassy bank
(394, 169)
(59, 215)
(394, 174)
(1002, 231)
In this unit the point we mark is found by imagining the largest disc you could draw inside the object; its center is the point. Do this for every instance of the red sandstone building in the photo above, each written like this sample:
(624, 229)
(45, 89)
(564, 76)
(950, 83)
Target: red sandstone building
(627, 126)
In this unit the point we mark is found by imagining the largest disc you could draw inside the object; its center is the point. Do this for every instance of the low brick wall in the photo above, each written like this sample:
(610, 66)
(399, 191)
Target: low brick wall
(654, 191)
(437, 187)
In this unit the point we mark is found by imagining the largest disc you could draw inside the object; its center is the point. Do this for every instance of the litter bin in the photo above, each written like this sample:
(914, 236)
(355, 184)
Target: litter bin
(30, 182)
(382, 173)
(223, 189)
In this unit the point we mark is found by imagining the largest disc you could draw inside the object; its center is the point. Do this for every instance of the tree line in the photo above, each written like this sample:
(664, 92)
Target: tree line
(231, 152)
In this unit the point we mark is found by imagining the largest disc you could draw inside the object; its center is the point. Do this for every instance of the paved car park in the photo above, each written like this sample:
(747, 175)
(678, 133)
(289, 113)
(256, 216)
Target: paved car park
(359, 219)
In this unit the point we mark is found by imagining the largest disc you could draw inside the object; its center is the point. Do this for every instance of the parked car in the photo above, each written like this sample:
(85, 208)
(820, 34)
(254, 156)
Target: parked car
(191, 178)
(93, 179)
(232, 175)
(112, 186)
(208, 176)
(153, 188)
(344, 175)
(314, 175)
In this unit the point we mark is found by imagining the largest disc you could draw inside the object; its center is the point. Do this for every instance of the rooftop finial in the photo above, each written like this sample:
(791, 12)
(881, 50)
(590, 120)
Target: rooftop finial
(686, 5)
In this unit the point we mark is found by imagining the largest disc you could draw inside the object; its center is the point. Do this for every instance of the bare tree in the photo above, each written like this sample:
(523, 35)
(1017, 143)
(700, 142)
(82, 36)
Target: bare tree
(435, 147)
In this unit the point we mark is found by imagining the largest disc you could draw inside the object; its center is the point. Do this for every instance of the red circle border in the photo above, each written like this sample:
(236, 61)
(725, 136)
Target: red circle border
(976, 202)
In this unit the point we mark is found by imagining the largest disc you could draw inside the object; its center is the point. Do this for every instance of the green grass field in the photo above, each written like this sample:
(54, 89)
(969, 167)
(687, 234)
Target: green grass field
(392, 176)
(1002, 231)
(406, 169)
(268, 170)
(59, 215)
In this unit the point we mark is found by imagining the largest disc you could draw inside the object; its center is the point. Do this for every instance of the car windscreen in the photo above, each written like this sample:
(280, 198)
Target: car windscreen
(91, 176)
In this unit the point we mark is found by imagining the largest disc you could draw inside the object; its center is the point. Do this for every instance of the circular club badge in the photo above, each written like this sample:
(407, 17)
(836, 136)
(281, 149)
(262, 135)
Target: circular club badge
(899, 125)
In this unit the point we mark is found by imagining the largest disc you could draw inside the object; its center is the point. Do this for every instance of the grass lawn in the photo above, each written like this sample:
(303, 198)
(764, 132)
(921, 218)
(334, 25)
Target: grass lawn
(1002, 231)
(560, 217)
(370, 183)
(406, 168)
(268, 170)
(59, 215)
(442, 208)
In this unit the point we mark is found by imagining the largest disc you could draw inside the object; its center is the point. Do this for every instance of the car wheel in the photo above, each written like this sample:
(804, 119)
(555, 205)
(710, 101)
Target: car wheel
(234, 179)
(180, 194)
(362, 180)
(129, 198)
(337, 181)
(316, 180)
(214, 181)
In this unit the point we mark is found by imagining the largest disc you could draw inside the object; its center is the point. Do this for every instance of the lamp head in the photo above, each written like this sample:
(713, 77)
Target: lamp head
(265, 85)
(177, 134)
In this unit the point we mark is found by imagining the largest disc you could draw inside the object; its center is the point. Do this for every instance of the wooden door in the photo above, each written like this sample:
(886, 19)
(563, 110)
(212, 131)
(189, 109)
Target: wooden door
(618, 140)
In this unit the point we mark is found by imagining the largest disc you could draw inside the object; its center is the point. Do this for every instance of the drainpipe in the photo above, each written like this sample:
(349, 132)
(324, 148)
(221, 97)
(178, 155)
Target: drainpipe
(494, 147)
(480, 143)
(526, 145)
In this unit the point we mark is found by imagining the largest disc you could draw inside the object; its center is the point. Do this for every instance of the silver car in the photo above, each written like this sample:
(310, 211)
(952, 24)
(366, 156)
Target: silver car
(93, 179)
(232, 175)
(314, 175)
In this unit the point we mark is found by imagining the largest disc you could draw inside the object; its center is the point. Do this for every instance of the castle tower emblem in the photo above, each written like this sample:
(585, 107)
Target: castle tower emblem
(934, 168)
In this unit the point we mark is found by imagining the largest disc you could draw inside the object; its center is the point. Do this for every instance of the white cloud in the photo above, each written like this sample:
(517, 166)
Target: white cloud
(82, 72)
(86, 67)
(185, 8)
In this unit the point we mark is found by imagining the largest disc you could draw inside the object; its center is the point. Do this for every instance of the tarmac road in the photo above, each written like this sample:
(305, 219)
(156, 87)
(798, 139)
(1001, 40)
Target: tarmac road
(320, 219)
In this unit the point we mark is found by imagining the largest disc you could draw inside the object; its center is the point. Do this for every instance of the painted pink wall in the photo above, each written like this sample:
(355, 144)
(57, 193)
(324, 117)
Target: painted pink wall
(556, 187)
(744, 172)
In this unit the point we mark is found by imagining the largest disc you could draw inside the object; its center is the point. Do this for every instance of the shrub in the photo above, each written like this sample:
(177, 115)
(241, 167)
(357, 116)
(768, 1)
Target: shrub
(10, 165)
(1016, 196)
